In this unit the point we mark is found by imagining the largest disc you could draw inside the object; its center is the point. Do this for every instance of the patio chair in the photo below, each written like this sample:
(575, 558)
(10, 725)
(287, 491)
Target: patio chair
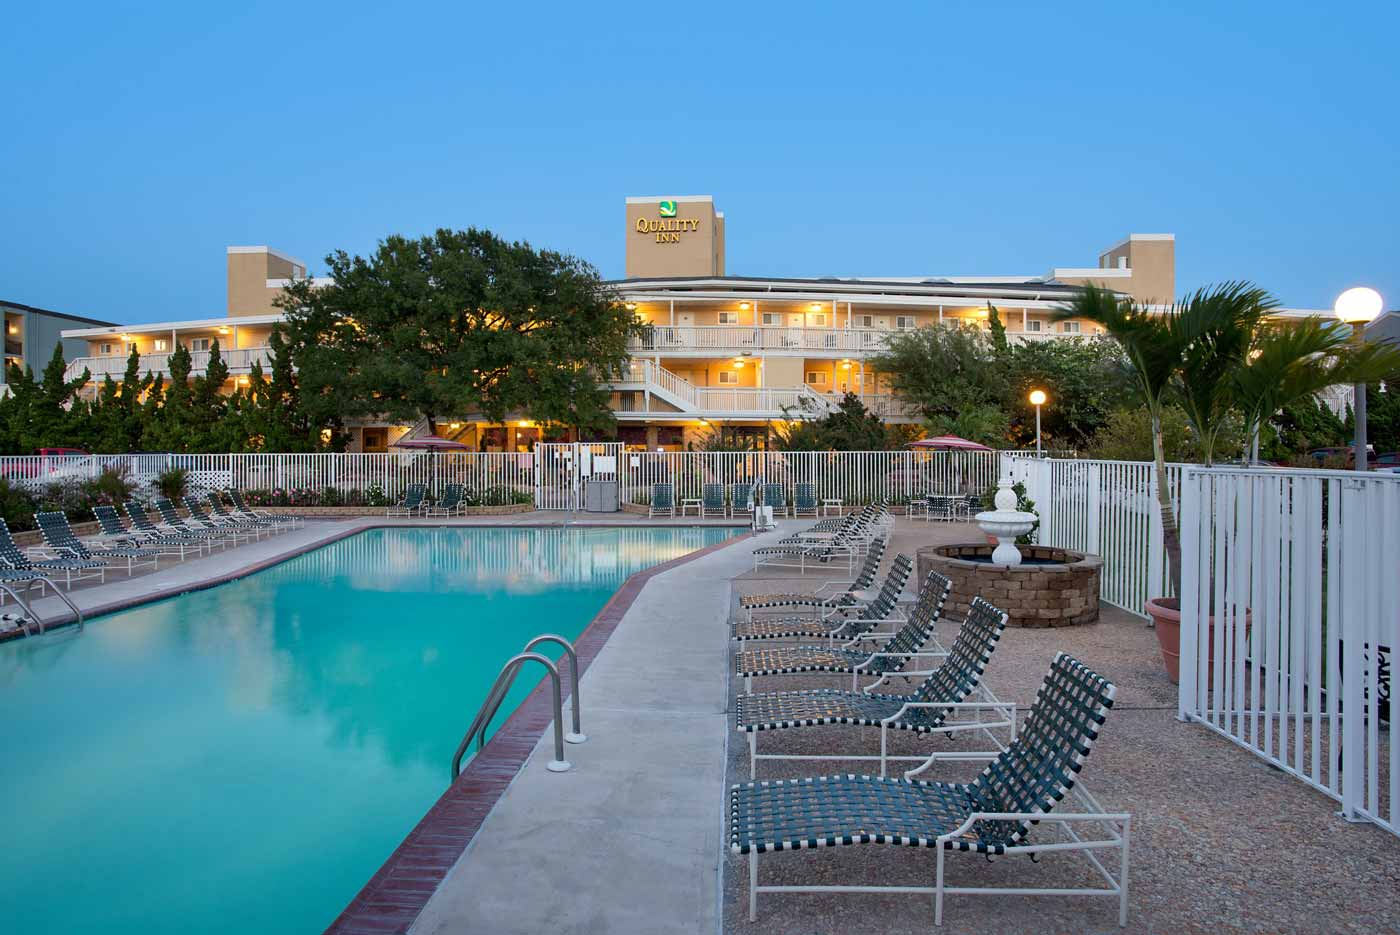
(137, 514)
(840, 593)
(993, 814)
(114, 529)
(712, 500)
(286, 519)
(741, 499)
(171, 519)
(72, 569)
(775, 495)
(206, 520)
(943, 693)
(411, 503)
(663, 500)
(804, 500)
(64, 543)
(882, 609)
(451, 503)
(850, 658)
(216, 505)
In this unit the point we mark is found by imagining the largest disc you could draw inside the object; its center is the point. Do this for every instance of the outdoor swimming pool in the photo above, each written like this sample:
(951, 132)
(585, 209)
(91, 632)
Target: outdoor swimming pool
(242, 759)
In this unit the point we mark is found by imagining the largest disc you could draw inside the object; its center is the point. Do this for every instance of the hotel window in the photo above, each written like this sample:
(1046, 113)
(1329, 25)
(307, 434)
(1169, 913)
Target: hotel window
(1070, 327)
(161, 344)
(867, 321)
(904, 322)
(1032, 325)
(817, 319)
(728, 318)
(772, 318)
(105, 350)
(817, 376)
(199, 344)
(728, 376)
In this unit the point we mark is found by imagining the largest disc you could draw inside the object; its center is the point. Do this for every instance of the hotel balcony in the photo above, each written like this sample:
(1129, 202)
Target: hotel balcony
(239, 360)
(709, 340)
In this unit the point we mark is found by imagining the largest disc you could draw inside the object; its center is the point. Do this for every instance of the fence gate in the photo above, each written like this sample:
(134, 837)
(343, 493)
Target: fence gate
(1290, 612)
(562, 470)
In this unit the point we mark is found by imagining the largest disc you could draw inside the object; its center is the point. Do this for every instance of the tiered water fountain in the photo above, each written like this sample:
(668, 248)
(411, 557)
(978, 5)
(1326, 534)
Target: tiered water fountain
(1037, 585)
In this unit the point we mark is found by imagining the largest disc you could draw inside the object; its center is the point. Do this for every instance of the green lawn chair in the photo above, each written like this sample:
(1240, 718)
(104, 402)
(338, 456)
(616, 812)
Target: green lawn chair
(741, 499)
(839, 593)
(996, 813)
(663, 500)
(775, 496)
(712, 500)
(804, 500)
(450, 504)
(829, 624)
(412, 502)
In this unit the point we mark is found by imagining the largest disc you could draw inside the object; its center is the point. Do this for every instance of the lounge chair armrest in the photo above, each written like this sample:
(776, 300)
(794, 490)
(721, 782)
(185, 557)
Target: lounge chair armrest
(1006, 708)
(860, 666)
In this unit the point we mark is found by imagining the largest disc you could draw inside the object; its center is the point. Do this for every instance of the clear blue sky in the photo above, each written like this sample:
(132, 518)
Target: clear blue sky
(954, 139)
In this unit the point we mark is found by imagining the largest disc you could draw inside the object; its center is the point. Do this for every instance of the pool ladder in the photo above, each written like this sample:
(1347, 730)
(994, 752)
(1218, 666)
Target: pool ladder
(497, 695)
(22, 599)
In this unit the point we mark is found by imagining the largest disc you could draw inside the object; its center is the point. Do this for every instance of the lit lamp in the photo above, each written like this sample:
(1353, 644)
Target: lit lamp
(1358, 307)
(1037, 399)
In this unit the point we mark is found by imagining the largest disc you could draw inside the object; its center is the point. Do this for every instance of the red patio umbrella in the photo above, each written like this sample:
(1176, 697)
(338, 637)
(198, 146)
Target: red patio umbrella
(949, 443)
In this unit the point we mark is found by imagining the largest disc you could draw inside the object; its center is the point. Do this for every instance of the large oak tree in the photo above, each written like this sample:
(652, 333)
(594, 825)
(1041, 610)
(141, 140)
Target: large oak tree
(458, 324)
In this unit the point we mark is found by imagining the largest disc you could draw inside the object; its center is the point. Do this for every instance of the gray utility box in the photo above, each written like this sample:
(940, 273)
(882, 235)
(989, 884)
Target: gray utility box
(600, 496)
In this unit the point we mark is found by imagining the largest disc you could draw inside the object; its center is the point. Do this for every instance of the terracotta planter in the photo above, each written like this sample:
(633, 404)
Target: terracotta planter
(1166, 618)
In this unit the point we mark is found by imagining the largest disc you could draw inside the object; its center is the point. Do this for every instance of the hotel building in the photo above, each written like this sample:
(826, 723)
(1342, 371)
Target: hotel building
(736, 351)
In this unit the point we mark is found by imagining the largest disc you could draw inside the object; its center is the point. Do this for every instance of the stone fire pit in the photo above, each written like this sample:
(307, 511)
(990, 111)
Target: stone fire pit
(1050, 588)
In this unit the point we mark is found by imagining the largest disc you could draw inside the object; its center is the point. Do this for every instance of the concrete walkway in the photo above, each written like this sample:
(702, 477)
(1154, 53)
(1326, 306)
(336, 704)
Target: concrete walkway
(630, 840)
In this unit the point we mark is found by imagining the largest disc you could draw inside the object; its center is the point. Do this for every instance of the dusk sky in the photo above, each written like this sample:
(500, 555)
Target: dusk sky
(849, 140)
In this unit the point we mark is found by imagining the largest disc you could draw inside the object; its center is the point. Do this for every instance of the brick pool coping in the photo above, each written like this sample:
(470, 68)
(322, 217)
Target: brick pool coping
(398, 891)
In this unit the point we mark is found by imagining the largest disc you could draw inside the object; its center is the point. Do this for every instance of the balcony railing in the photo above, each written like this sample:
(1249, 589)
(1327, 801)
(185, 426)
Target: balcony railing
(732, 339)
(239, 361)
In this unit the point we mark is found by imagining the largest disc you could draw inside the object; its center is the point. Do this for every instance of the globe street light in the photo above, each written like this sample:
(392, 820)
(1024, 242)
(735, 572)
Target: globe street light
(1037, 398)
(1358, 307)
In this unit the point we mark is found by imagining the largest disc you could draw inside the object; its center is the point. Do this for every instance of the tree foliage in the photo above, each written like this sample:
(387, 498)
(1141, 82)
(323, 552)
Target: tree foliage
(850, 427)
(458, 324)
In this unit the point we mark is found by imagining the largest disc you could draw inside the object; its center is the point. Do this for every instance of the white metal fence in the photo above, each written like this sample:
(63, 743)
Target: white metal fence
(1106, 508)
(1290, 614)
(554, 480)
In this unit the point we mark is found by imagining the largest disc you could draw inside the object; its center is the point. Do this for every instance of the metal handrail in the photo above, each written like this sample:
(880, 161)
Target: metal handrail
(29, 613)
(493, 703)
(576, 735)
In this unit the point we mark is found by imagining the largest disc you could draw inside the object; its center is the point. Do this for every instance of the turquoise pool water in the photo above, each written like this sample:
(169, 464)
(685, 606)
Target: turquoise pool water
(243, 759)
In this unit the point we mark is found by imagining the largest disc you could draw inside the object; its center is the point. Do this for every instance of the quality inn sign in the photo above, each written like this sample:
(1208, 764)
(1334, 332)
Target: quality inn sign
(668, 228)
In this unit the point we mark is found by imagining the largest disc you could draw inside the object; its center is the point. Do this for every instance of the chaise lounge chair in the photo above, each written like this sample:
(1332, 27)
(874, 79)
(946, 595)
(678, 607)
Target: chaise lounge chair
(663, 500)
(741, 499)
(248, 527)
(831, 626)
(282, 519)
(775, 495)
(994, 814)
(828, 593)
(216, 506)
(115, 530)
(137, 514)
(943, 693)
(220, 535)
(851, 659)
(412, 502)
(65, 544)
(72, 569)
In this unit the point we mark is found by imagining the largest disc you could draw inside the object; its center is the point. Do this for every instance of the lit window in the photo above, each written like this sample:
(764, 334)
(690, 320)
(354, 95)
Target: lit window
(728, 318)
(161, 344)
(817, 318)
(1069, 327)
(728, 376)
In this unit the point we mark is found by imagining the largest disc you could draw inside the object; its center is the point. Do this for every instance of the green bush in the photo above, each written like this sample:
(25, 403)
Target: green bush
(110, 488)
(173, 483)
(16, 505)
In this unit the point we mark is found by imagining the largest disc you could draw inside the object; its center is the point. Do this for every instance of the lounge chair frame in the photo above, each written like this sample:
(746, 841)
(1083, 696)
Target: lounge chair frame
(666, 494)
(412, 502)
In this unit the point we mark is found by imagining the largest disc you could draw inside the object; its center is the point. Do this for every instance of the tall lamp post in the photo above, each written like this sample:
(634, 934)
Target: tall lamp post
(1358, 307)
(1037, 399)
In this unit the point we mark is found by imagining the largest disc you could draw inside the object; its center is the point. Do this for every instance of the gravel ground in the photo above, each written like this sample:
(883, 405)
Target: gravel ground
(1221, 841)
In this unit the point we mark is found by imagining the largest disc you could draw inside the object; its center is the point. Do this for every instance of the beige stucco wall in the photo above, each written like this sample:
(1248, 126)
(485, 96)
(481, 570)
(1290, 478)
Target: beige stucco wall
(688, 244)
(248, 274)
